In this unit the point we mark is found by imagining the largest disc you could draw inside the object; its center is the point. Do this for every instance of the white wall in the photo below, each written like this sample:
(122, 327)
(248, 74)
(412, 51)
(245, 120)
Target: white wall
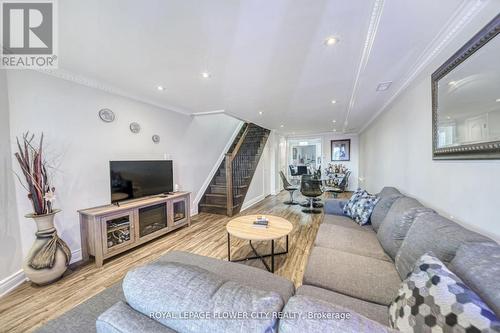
(326, 155)
(396, 150)
(10, 243)
(81, 146)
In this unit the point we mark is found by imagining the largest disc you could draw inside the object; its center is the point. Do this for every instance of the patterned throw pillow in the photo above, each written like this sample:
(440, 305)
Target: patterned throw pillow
(352, 201)
(363, 208)
(433, 299)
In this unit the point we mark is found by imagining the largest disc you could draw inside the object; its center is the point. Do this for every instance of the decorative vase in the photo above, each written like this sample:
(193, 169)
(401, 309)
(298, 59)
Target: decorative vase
(49, 255)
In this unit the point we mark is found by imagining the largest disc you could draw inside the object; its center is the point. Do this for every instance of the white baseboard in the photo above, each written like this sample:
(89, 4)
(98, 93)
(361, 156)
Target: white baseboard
(76, 255)
(207, 181)
(12, 282)
(252, 202)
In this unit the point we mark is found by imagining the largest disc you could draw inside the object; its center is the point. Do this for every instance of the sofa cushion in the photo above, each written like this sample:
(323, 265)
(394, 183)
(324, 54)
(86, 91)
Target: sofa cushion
(296, 318)
(376, 312)
(434, 299)
(346, 222)
(432, 232)
(398, 221)
(243, 274)
(121, 318)
(334, 206)
(382, 208)
(350, 240)
(388, 190)
(478, 265)
(176, 289)
(353, 275)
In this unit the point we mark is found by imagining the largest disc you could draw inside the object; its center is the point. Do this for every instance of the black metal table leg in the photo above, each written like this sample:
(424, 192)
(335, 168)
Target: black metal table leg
(228, 247)
(257, 255)
(272, 256)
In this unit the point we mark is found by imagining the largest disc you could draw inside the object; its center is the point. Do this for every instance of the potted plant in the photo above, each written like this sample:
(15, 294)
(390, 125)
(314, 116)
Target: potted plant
(49, 256)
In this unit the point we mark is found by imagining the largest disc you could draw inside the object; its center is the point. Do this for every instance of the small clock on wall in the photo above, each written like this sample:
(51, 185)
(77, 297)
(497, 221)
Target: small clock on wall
(135, 127)
(107, 115)
(156, 138)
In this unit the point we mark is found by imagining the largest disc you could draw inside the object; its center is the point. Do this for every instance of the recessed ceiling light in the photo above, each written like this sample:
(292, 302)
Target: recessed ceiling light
(205, 75)
(452, 83)
(282, 126)
(498, 100)
(448, 117)
(332, 40)
(334, 101)
(260, 113)
(334, 121)
(335, 130)
(384, 86)
(160, 88)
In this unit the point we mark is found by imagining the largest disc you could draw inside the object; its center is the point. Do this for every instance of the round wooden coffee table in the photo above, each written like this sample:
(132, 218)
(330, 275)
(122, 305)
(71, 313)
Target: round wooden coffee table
(242, 227)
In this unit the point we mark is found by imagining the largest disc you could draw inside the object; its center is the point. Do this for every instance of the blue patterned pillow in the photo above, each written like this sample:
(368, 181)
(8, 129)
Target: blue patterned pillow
(363, 208)
(352, 201)
(432, 298)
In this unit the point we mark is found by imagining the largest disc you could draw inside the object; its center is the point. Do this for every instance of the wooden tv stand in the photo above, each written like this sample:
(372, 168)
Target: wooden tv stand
(109, 230)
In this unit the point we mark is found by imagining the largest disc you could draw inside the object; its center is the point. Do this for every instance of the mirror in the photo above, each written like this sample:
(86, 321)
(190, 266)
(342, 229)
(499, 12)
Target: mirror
(466, 99)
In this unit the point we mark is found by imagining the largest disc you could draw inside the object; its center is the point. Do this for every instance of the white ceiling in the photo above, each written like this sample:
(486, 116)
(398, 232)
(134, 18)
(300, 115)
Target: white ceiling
(264, 56)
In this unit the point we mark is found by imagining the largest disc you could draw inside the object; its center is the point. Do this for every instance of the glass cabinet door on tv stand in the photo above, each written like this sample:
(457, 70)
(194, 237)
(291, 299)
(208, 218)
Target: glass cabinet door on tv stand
(180, 210)
(118, 231)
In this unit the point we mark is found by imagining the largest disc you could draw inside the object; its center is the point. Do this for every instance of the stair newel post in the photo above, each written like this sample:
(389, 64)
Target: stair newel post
(229, 184)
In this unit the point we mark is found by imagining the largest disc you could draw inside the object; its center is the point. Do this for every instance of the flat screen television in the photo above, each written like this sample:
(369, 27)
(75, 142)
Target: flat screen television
(137, 179)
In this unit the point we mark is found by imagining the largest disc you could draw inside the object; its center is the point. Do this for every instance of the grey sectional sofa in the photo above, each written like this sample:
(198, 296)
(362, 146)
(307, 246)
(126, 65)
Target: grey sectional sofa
(354, 268)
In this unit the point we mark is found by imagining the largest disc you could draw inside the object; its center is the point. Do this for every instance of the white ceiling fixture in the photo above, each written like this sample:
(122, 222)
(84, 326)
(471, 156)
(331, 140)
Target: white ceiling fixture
(334, 121)
(384, 86)
(160, 88)
(335, 130)
(331, 40)
(334, 101)
(282, 126)
(498, 100)
(260, 113)
(206, 75)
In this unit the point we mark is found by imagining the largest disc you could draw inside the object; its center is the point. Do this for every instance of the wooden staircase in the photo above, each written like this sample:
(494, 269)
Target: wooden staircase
(229, 186)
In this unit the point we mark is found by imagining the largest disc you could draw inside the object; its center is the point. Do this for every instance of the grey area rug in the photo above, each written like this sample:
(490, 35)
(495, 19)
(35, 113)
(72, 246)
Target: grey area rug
(82, 318)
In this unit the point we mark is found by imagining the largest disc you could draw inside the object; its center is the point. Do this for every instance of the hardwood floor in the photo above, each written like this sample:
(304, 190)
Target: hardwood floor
(29, 306)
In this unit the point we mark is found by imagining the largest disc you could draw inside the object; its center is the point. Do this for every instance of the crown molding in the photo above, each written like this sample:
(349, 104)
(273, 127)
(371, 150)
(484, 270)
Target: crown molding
(378, 7)
(96, 84)
(463, 15)
(207, 113)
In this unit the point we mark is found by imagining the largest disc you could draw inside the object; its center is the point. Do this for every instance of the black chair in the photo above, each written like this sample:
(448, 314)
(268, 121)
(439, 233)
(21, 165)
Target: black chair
(290, 188)
(342, 185)
(293, 170)
(311, 188)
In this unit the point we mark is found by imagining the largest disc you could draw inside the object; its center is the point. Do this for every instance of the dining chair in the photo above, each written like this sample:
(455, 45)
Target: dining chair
(290, 188)
(311, 188)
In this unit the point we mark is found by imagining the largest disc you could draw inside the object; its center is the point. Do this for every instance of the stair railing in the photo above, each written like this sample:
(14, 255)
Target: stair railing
(230, 157)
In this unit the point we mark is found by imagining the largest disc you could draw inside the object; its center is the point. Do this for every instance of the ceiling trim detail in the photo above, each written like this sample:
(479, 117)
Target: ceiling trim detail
(95, 84)
(463, 15)
(207, 113)
(376, 14)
